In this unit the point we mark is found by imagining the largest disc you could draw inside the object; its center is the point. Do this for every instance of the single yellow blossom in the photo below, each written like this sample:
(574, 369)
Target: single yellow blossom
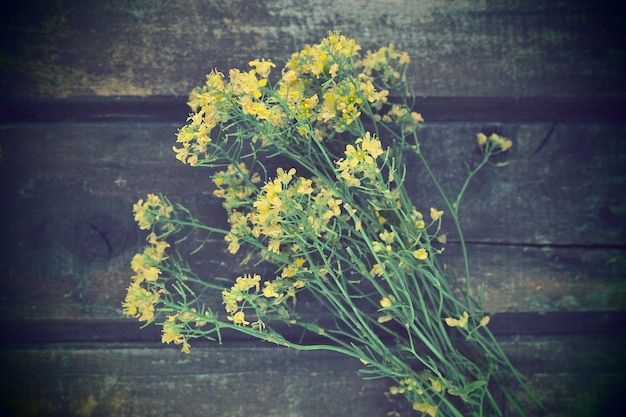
(485, 321)
(262, 67)
(429, 409)
(385, 302)
(334, 208)
(269, 290)
(505, 144)
(247, 282)
(377, 270)
(388, 237)
(435, 214)
(384, 319)
(239, 318)
(436, 385)
(274, 246)
(233, 243)
(481, 139)
(377, 246)
(420, 254)
(151, 273)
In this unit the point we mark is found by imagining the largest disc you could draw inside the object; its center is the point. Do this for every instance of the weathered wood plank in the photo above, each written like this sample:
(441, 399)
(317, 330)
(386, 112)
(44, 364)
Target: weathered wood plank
(55, 283)
(119, 331)
(270, 381)
(563, 189)
(461, 48)
(548, 229)
(433, 109)
(563, 183)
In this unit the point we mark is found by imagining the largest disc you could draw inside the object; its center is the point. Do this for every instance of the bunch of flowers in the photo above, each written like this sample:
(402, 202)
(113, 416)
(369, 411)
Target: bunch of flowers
(335, 221)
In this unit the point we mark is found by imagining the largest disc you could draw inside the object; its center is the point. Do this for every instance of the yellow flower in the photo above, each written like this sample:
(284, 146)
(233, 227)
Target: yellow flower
(247, 282)
(377, 270)
(429, 409)
(460, 322)
(274, 246)
(388, 237)
(404, 58)
(139, 302)
(156, 253)
(292, 269)
(334, 208)
(420, 254)
(304, 186)
(233, 243)
(239, 318)
(385, 302)
(482, 139)
(370, 145)
(151, 274)
(269, 290)
(485, 321)
(262, 67)
(138, 263)
(149, 212)
(172, 332)
(493, 142)
(384, 319)
(436, 385)
(435, 214)
(231, 300)
(416, 117)
(505, 144)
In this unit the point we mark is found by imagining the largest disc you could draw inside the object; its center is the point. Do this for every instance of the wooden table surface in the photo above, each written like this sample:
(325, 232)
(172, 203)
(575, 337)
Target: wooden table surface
(94, 92)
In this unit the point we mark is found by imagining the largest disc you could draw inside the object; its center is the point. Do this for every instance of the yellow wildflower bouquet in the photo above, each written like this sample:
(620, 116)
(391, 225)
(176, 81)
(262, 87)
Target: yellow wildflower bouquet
(334, 220)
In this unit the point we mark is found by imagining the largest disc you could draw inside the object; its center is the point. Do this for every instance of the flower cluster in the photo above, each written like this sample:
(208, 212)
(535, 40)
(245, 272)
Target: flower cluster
(493, 143)
(140, 302)
(324, 89)
(276, 215)
(332, 217)
(151, 211)
(235, 185)
(360, 161)
(416, 389)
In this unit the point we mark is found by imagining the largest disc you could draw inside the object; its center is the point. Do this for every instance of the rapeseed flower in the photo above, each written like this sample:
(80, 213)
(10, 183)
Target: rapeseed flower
(140, 303)
(460, 322)
(152, 210)
(429, 409)
(420, 254)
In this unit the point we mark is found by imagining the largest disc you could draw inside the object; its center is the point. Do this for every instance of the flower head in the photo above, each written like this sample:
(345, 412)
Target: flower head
(420, 254)
(460, 322)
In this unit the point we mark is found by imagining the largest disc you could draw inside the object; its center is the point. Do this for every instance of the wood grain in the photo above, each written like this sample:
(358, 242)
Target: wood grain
(546, 231)
(459, 49)
(235, 380)
(93, 93)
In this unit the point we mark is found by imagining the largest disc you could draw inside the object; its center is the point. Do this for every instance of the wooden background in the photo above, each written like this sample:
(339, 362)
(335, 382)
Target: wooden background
(93, 93)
